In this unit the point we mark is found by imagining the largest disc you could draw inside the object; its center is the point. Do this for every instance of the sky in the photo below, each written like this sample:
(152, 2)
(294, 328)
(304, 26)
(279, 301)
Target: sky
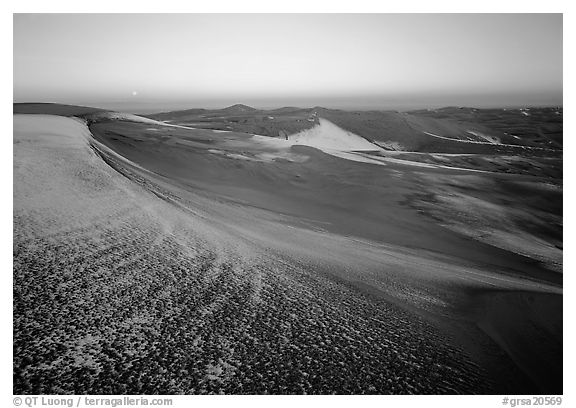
(150, 62)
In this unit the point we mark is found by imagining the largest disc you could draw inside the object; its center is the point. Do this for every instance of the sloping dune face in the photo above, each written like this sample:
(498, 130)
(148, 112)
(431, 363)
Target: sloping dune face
(121, 273)
(328, 136)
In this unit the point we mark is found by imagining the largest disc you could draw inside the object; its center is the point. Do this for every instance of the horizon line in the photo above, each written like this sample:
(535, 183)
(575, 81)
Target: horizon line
(350, 108)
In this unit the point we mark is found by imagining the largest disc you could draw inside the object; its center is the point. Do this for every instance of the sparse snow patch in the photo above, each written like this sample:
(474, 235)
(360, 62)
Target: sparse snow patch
(483, 136)
(126, 116)
(390, 145)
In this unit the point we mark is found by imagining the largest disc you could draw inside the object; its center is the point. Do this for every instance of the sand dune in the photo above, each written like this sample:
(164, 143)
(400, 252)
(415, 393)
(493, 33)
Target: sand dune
(137, 259)
(326, 137)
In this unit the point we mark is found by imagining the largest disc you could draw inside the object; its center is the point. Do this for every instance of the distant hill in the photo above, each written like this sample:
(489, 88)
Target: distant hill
(239, 108)
(243, 118)
(288, 109)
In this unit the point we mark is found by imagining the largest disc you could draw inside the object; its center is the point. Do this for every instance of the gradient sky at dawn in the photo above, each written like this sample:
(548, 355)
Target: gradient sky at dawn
(169, 61)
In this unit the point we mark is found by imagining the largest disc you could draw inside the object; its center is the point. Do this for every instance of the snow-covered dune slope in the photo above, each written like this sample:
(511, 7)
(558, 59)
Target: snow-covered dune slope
(115, 266)
(63, 183)
(49, 130)
(58, 179)
(326, 137)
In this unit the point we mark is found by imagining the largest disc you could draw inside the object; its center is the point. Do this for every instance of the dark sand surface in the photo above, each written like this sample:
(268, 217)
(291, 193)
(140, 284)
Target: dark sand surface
(520, 322)
(374, 284)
